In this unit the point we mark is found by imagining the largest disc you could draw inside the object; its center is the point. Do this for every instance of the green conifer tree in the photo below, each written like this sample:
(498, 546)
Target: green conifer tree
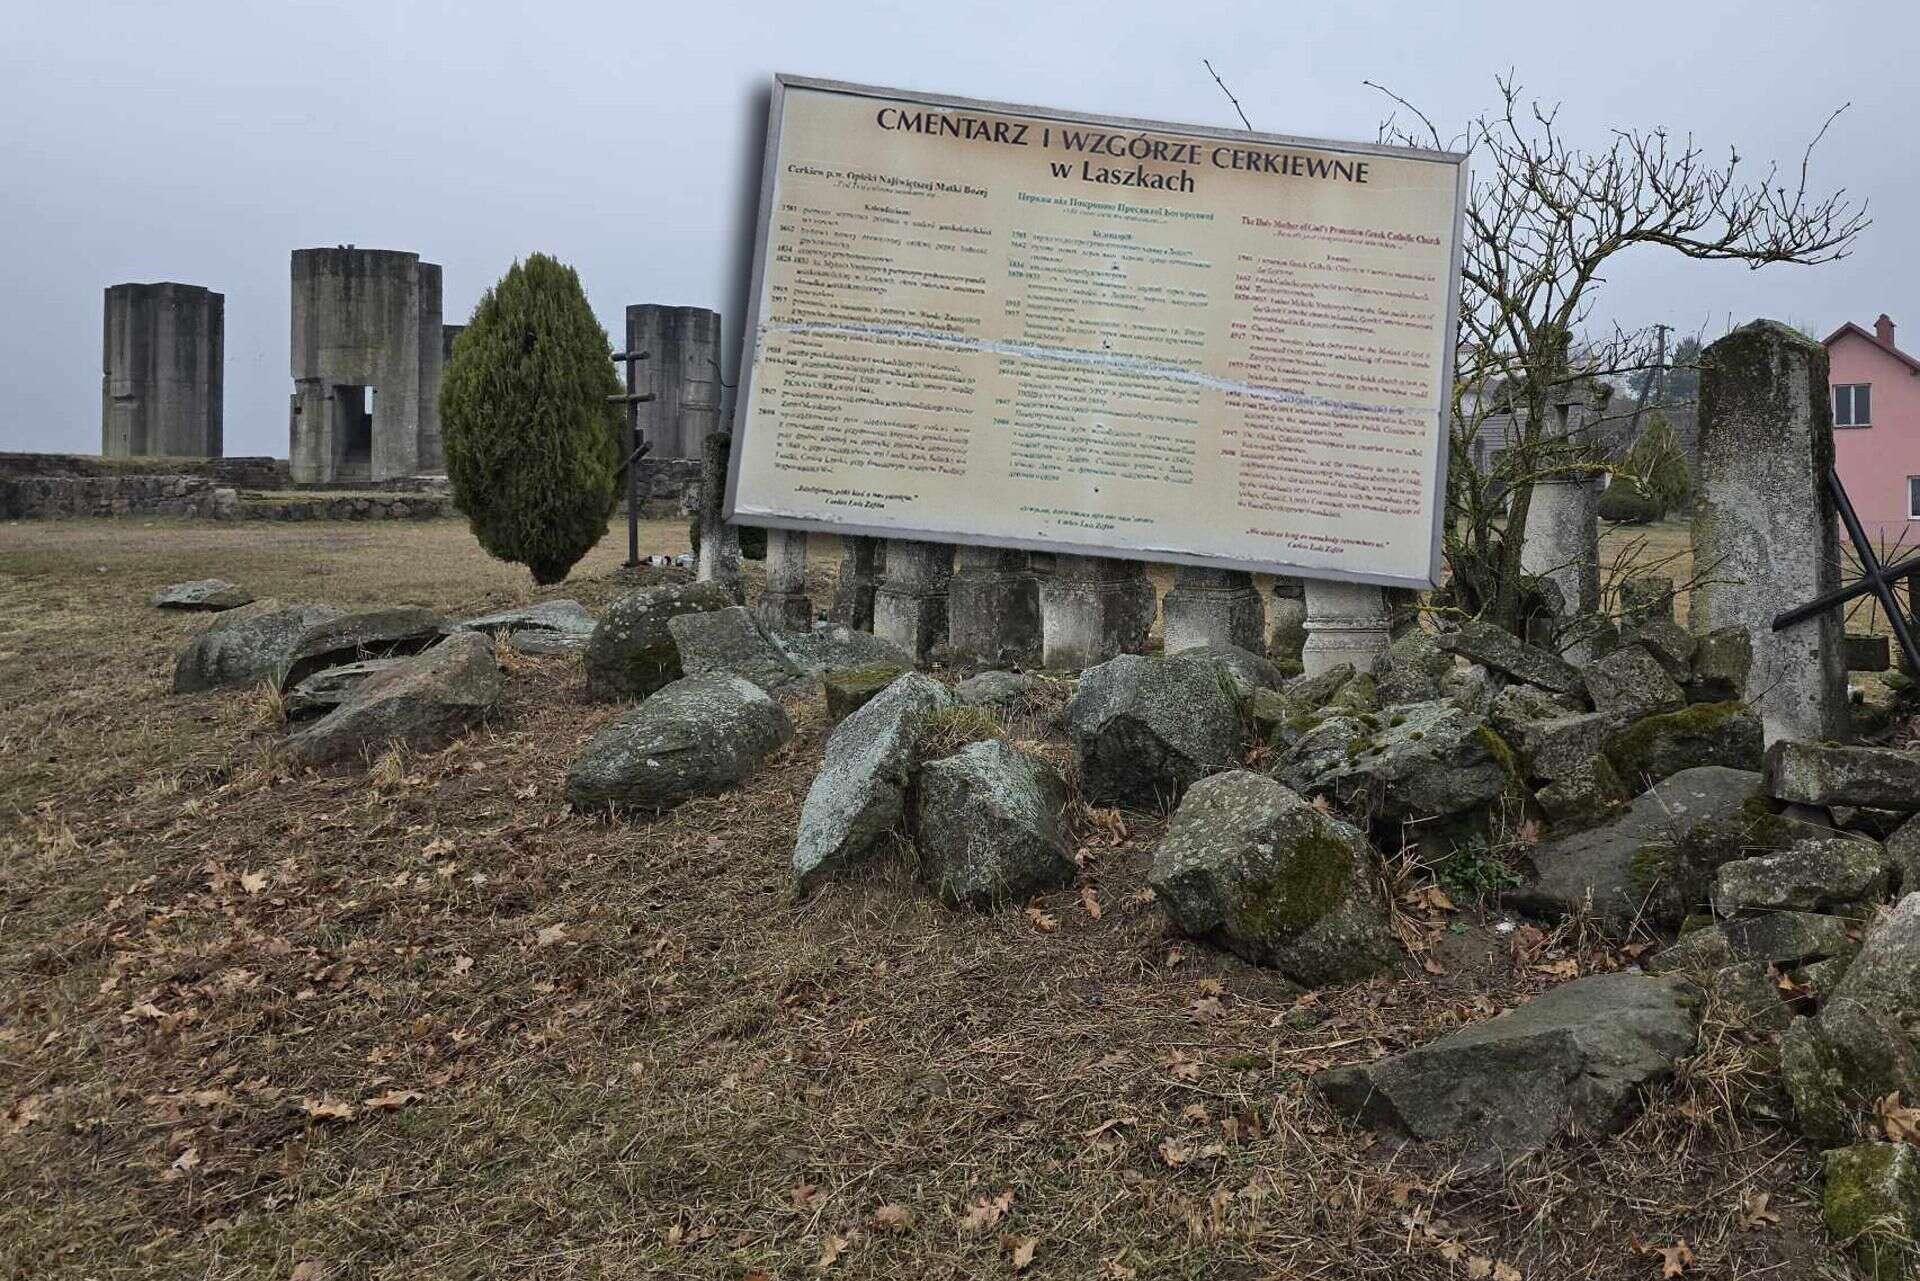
(533, 444)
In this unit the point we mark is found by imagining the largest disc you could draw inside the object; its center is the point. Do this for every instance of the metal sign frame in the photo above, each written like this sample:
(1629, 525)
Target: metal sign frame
(750, 333)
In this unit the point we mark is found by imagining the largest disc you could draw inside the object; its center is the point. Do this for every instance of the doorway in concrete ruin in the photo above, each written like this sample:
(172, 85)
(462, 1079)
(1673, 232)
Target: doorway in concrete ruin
(353, 432)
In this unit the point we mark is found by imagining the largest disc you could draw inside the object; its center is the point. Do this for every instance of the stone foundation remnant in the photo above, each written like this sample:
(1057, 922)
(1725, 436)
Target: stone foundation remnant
(682, 371)
(993, 608)
(367, 356)
(1212, 607)
(861, 561)
(784, 605)
(1093, 608)
(1346, 623)
(1763, 523)
(163, 371)
(910, 605)
(1289, 620)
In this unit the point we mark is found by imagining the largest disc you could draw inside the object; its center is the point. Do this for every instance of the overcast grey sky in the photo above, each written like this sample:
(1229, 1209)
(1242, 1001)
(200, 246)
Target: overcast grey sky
(201, 142)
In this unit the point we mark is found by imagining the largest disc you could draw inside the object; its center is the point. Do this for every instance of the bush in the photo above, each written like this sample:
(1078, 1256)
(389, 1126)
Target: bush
(1627, 502)
(533, 443)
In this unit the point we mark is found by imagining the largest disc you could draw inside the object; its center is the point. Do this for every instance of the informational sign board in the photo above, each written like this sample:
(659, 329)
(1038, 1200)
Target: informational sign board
(981, 323)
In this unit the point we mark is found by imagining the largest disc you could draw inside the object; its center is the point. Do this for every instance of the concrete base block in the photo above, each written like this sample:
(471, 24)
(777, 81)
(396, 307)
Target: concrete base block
(910, 604)
(784, 605)
(1346, 623)
(1093, 608)
(993, 608)
(1212, 607)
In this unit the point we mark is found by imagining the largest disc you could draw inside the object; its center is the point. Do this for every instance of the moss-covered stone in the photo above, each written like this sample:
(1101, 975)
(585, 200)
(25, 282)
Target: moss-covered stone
(851, 688)
(1871, 1204)
(1583, 797)
(1657, 747)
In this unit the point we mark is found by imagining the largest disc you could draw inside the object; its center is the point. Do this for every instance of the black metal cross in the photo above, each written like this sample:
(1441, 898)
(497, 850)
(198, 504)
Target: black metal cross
(633, 400)
(1875, 577)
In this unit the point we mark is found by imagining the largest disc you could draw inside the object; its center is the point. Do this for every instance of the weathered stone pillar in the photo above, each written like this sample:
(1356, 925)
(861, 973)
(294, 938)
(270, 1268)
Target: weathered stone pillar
(1763, 522)
(784, 605)
(861, 561)
(1212, 607)
(1289, 620)
(1346, 623)
(163, 364)
(1092, 608)
(1563, 539)
(910, 605)
(682, 371)
(719, 559)
(993, 607)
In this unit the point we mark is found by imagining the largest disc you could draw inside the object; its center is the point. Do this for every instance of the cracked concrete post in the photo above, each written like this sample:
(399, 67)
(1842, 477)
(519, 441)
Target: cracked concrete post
(1209, 606)
(993, 608)
(861, 561)
(784, 605)
(910, 605)
(719, 559)
(1764, 535)
(1092, 608)
(1346, 623)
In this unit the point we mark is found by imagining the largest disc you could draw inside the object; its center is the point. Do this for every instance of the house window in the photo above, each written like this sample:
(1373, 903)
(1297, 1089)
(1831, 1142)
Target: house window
(1913, 498)
(1853, 405)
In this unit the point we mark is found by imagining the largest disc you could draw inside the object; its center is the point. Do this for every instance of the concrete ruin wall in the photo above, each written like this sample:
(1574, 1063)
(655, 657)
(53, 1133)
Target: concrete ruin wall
(364, 319)
(163, 379)
(682, 370)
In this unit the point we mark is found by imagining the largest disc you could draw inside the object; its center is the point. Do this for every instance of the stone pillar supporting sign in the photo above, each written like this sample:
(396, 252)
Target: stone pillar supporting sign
(719, 559)
(993, 608)
(1093, 608)
(1289, 620)
(784, 605)
(910, 605)
(1346, 623)
(861, 560)
(1763, 523)
(1212, 607)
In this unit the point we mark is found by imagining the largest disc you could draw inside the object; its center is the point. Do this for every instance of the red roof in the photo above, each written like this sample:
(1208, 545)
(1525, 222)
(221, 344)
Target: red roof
(1889, 348)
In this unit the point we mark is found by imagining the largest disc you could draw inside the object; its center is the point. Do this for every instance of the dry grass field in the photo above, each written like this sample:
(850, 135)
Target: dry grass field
(416, 1019)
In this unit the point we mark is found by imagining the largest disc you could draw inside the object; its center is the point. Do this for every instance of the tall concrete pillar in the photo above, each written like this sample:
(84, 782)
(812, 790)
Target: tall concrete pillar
(682, 370)
(163, 372)
(433, 348)
(784, 605)
(1092, 608)
(719, 557)
(1212, 607)
(993, 608)
(1763, 522)
(1346, 623)
(1289, 620)
(861, 561)
(910, 605)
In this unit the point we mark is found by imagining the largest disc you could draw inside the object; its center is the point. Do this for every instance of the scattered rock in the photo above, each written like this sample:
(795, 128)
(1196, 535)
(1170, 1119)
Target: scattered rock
(1657, 747)
(202, 594)
(325, 690)
(698, 736)
(1417, 670)
(1518, 706)
(987, 826)
(1499, 649)
(1671, 645)
(1630, 682)
(1425, 760)
(837, 648)
(1560, 748)
(356, 637)
(1584, 795)
(1003, 692)
(859, 797)
(1576, 1057)
(1812, 876)
(1720, 664)
(1870, 1201)
(1246, 670)
(852, 688)
(1145, 729)
(422, 701)
(1903, 856)
(1788, 938)
(1471, 688)
(1824, 774)
(1644, 597)
(547, 627)
(731, 640)
(1252, 866)
(1746, 996)
(1313, 692)
(631, 653)
(245, 645)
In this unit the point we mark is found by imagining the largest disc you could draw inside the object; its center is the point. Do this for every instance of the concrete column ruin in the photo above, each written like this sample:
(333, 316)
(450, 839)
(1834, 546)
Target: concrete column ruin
(163, 371)
(682, 371)
(718, 560)
(1092, 608)
(1346, 623)
(367, 348)
(1763, 522)
(1289, 620)
(910, 605)
(861, 561)
(1209, 606)
(1563, 539)
(993, 608)
(784, 605)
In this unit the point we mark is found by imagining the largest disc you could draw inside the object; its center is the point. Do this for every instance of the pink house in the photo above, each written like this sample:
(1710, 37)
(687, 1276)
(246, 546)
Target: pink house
(1876, 430)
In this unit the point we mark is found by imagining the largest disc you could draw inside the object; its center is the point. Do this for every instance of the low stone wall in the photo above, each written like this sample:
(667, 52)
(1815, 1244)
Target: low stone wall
(417, 506)
(68, 497)
(250, 472)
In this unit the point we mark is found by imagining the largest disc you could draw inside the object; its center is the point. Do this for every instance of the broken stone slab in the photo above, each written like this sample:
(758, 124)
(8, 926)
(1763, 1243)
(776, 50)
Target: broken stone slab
(1246, 670)
(1583, 796)
(1669, 644)
(1144, 729)
(1644, 597)
(698, 736)
(1631, 682)
(1417, 670)
(1614, 870)
(987, 826)
(1745, 995)
(208, 594)
(1903, 856)
(1499, 649)
(1720, 663)
(1560, 748)
(858, 799)
(1517, 706)
(325, 690)
(1870, 1202)
(1421, 760)
(852, 688)
(1252, 866)
(834, 648)
(545, 627)
(1660, 746)
(1314, 692)
(245, 645)
(1575, 1058)
(364, 634)
(422, 701)
(1814, 875)
(631, 653)
(732, 640)
(1824, 774)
